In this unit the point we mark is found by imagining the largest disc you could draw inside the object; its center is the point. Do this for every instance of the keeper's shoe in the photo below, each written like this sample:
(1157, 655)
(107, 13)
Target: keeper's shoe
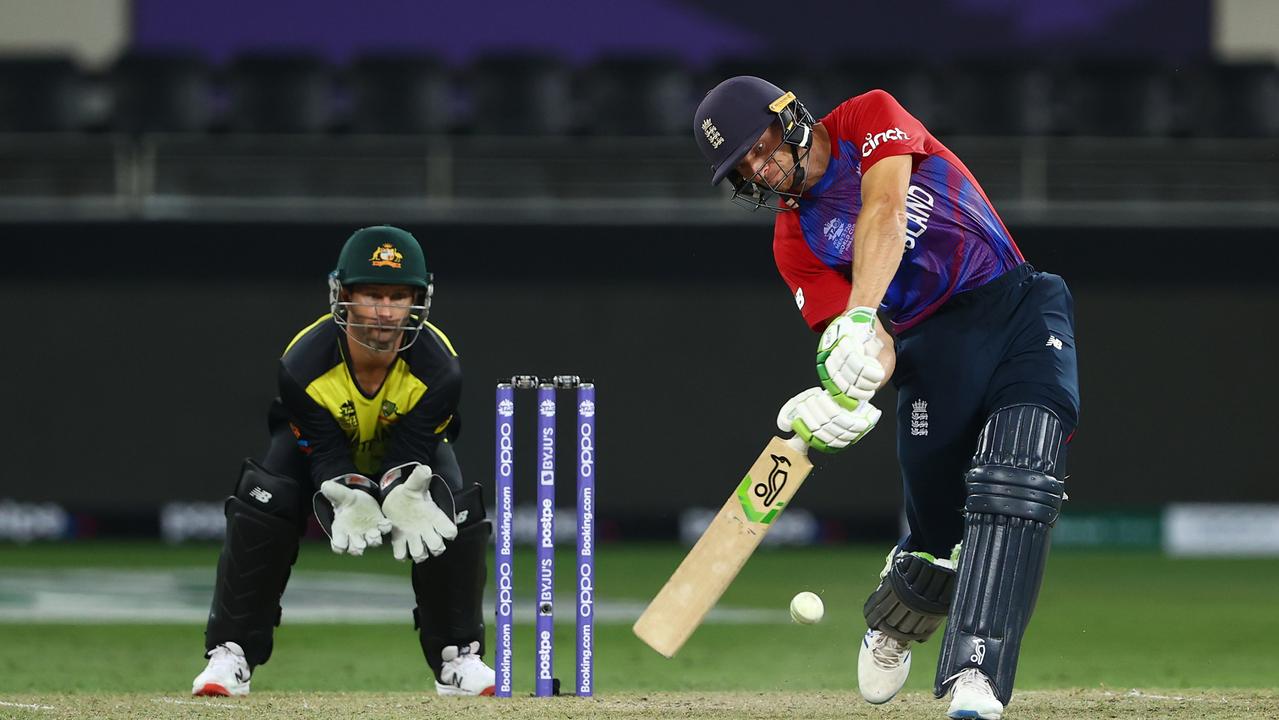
(227, 673)
(464, 673)
(882, 666)
(974, 697)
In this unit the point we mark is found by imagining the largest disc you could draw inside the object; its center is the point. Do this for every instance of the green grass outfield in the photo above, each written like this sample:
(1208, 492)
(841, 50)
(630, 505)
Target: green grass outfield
(1115, 632)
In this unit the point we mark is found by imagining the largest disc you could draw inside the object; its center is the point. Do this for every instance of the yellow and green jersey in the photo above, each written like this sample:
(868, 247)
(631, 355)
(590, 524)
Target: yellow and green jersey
(344, 430)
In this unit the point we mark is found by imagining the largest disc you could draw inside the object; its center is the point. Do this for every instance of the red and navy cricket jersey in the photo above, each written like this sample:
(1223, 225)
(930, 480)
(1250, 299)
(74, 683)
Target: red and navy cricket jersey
(955, 240)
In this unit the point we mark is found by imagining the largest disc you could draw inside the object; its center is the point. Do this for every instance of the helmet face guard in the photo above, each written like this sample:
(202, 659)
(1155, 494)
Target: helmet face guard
(797, 134)
(340, 305)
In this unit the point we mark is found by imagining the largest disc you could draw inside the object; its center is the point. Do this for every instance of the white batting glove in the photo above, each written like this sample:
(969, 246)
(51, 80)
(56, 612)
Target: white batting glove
(823, 423)
(848, 358)
(418, 525)
(358, 522)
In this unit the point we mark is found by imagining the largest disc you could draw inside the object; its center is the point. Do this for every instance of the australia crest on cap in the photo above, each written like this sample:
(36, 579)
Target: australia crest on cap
(385, 255)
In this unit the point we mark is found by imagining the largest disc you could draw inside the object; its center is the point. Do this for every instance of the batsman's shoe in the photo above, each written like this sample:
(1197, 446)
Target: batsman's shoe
(974, 697)
(882, 666)
(464, 673)
(227, 673)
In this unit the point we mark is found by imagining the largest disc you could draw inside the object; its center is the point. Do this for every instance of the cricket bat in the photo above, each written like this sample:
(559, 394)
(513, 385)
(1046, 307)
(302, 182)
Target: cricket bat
(725, 547)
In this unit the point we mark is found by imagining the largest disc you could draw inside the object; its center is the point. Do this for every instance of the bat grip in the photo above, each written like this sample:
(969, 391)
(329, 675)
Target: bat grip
(797, 444)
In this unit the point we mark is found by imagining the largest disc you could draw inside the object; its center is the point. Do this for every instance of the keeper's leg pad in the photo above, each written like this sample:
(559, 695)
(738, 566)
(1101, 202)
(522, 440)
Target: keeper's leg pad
(263, 523)
(1013, 500)
(912, 599)
(450, 587)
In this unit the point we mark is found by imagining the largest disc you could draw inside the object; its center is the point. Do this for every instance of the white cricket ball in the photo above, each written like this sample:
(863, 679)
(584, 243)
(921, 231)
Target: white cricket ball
(806, 608)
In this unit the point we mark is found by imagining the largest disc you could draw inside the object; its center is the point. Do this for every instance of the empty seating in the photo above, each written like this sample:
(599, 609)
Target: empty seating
(997, 96)
(41, 94)
(1232, 100)
(272, 93)
(520, 94)
(401, 94)
(161, 92)
(1119, 98)
(637, 96)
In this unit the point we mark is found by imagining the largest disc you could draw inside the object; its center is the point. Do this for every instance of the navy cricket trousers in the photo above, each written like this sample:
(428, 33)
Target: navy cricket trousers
(1009, 342)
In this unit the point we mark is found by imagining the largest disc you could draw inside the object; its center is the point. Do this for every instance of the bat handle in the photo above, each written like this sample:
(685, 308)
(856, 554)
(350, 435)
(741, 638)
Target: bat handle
(797, 444)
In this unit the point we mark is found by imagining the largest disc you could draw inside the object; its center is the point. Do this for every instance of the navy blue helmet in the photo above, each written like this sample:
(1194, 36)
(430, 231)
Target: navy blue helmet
(732, 116)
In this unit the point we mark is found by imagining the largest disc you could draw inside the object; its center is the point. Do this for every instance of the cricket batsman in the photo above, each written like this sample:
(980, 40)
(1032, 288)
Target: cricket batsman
(362, 433)
(879, 227)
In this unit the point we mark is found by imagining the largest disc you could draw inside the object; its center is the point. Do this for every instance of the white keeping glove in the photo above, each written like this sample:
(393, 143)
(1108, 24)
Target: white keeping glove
(825, 425)
(848, 358)
(418, 525)
(358, 522)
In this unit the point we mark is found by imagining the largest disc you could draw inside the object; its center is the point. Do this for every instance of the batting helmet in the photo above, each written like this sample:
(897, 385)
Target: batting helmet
(732, 116)
(382, 255)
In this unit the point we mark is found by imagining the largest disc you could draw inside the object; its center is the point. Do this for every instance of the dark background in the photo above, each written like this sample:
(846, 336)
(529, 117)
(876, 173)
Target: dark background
(140, 357)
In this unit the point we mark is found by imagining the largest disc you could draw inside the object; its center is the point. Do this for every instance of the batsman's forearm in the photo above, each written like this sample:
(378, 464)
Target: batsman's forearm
(888, 360)
(878, 242)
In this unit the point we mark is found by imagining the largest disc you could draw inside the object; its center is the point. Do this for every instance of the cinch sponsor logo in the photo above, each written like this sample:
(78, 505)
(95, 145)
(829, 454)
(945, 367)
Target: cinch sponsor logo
(548, 456)
(544, 656)
(919, 208)
(586, 529)
(585, 590)
(586, 449)
(505, 449)
(874, 140)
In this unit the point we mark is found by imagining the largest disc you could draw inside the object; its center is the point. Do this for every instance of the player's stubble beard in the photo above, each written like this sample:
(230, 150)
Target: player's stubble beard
(381, 336)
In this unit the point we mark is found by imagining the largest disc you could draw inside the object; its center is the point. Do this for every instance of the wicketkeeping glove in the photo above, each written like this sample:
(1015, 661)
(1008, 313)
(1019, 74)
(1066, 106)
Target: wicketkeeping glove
(358, 522)
(825, 425)
(418, 525)
(848, 358)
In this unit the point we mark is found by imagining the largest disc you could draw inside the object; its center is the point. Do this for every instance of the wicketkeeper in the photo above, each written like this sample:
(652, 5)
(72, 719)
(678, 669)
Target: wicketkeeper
(362, 433)
(876, 218)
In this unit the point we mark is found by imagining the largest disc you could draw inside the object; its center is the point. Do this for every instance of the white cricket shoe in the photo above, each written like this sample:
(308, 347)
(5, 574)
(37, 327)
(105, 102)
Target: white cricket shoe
(882, 666)
(227, 673)
(974, 697)
(464, 673)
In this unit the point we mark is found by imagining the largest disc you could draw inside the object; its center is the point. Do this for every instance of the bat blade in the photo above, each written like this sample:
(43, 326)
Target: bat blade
(708, 570)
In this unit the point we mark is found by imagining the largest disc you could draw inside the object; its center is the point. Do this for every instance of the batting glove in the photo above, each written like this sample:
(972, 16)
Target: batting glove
(848, 358)
(358, 522)
(823, 423)
(418, 526)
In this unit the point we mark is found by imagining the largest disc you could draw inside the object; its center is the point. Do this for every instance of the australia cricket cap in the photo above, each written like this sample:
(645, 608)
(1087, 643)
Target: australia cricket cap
(382, 255)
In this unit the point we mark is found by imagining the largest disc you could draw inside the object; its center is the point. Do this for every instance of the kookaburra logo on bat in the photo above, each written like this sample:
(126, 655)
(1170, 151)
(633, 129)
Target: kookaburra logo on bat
(776, 480)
